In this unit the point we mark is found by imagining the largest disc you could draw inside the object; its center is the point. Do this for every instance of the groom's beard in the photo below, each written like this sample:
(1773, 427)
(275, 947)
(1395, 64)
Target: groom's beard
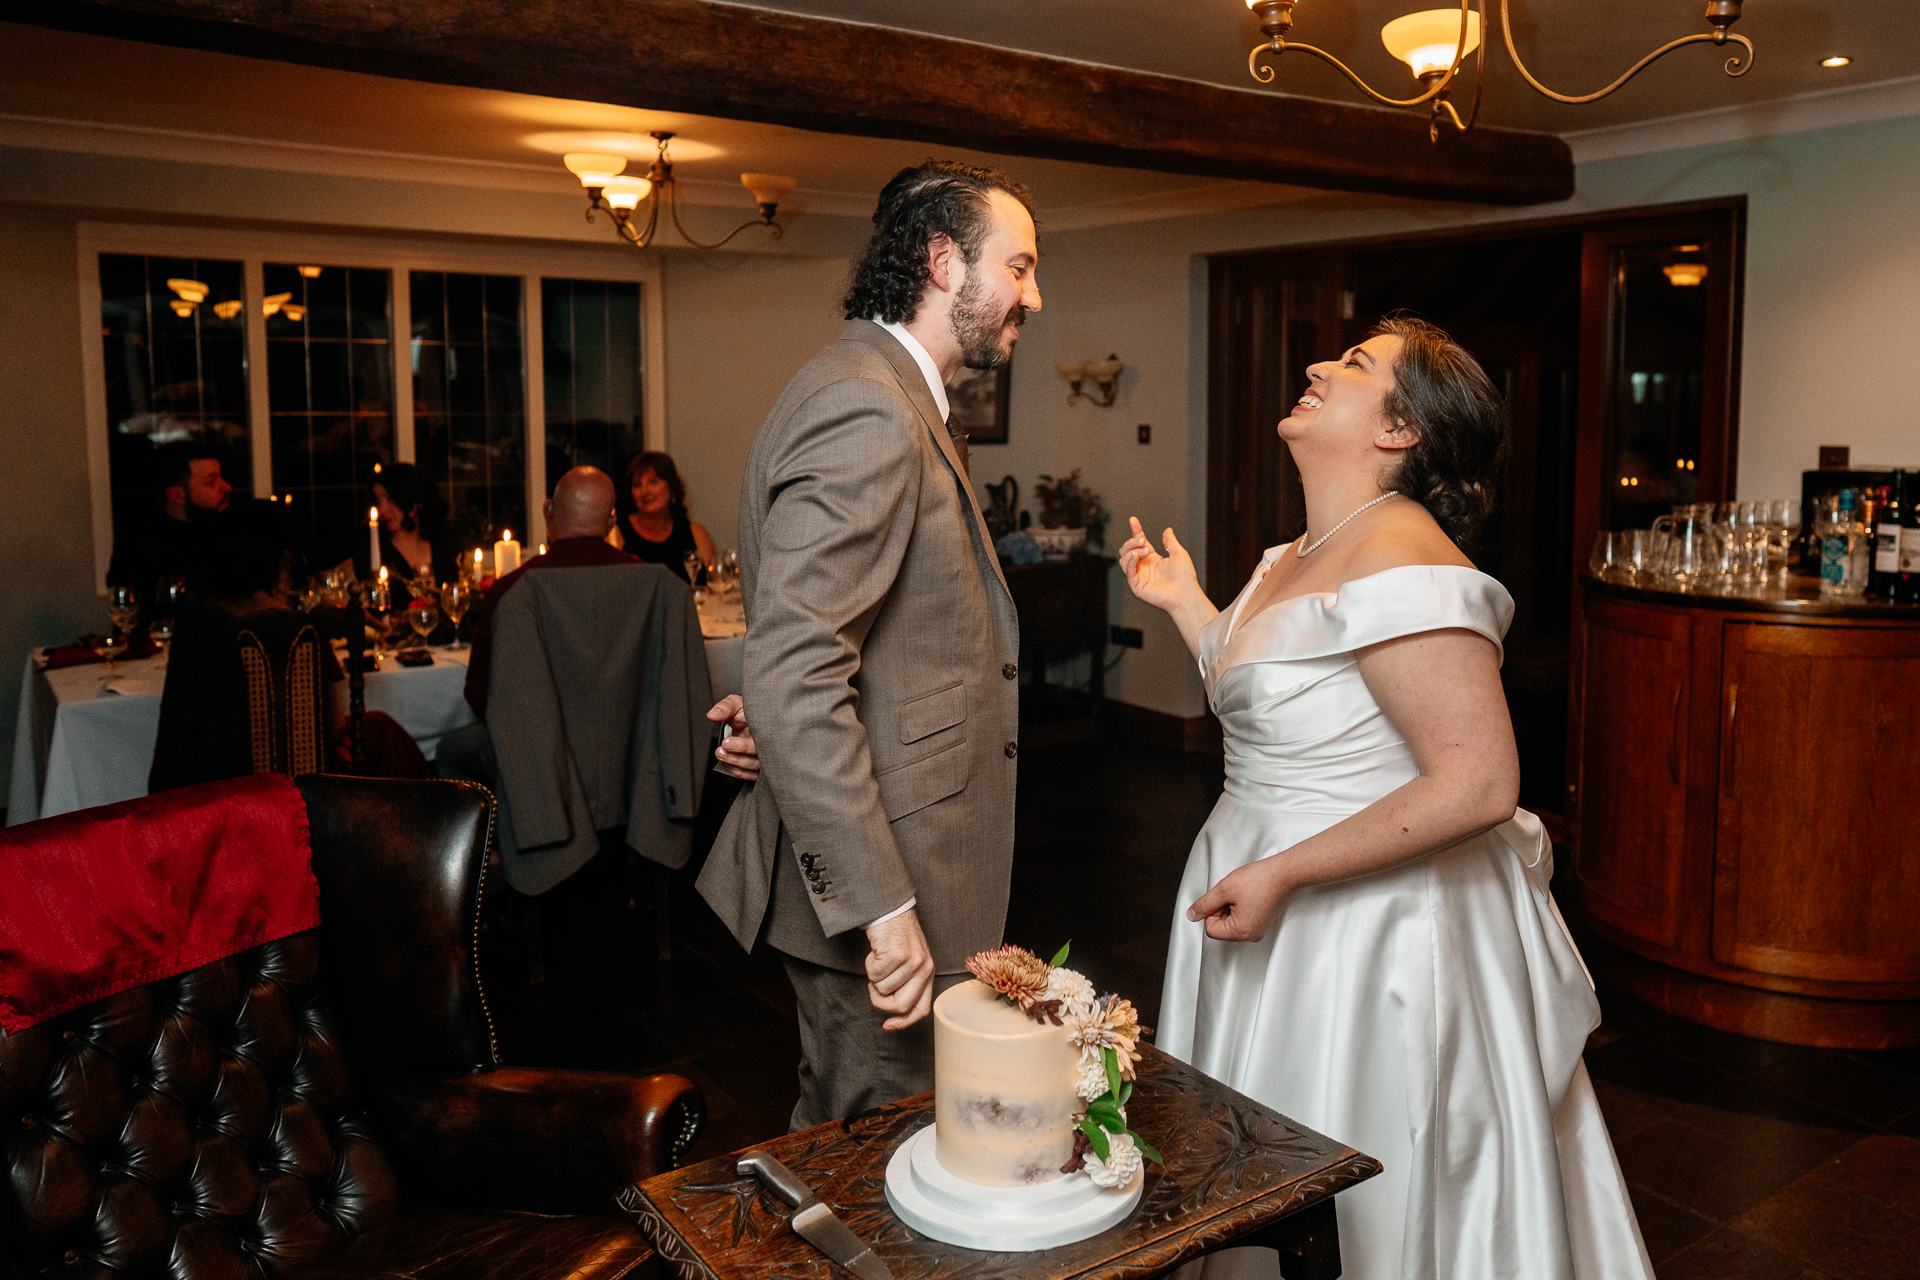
(977, 330)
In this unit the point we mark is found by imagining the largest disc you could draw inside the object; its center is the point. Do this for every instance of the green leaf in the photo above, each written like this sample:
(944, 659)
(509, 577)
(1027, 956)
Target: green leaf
(1097, 1138)
(1105, 1114)
(1146, 1150)
(1111, 1060)
(1126, 1091)
(1060, 956)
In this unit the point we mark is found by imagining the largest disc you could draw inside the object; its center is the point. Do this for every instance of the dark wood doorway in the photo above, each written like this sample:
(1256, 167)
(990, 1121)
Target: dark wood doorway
(1566, 318)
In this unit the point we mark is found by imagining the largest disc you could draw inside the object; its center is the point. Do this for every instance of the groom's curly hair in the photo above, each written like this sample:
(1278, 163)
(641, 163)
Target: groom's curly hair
(1441, 391)
(940, 197)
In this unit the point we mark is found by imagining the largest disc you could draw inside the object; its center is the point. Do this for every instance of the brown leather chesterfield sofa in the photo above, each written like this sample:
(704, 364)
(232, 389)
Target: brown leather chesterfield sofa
(332, 1104)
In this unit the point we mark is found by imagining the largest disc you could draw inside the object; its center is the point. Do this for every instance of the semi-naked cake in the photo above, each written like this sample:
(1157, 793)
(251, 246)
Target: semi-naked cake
(1004, 1100)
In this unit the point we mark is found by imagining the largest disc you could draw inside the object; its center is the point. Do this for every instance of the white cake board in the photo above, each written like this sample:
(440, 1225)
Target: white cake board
(1043, 1215)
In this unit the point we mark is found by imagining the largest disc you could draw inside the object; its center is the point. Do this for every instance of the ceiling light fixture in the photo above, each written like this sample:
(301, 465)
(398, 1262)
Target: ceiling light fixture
(1837, 60)
(1435, 42)
(1685, 275)
(619, 197)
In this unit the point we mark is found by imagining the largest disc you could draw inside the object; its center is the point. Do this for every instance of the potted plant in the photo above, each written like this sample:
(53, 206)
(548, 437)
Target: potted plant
(1072, 516)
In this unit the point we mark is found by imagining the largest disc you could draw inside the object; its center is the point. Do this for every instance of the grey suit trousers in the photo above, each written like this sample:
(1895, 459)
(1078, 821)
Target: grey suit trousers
(861, 1065)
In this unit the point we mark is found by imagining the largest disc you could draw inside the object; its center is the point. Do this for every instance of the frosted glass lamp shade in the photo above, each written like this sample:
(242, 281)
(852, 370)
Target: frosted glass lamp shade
(767, 188)
(593, 168)
(1685, 275)
(1072, 370)
(189, 290)
(626, 193)
(1105, 370)
(181, 307)
(1426, 41)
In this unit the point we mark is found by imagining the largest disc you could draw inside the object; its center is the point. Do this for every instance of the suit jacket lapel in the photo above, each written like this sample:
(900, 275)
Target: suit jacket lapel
(906, 370)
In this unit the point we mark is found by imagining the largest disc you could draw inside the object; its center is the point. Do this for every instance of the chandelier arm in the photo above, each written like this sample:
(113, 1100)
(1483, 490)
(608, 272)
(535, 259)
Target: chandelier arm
(1734, 65)
(1287, 46)
(674, 209)
(1479, 72)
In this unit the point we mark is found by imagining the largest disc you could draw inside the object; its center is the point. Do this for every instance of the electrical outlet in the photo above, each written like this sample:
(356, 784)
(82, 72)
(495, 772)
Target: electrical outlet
(1127, 637)
(1146, 433)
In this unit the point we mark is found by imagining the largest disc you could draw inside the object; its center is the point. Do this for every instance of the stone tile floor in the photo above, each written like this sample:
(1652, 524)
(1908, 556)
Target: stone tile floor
(1747, 1160)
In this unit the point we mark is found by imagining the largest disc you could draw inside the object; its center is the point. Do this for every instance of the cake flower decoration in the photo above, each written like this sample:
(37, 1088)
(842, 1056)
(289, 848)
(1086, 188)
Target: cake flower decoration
(1105, 1029)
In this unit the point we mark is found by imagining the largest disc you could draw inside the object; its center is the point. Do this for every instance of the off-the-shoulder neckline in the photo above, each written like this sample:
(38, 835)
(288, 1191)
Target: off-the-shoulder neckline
(1235, 627)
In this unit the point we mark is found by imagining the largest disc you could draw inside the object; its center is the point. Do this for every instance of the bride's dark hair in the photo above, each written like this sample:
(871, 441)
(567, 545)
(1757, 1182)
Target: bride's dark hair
(1442, 392)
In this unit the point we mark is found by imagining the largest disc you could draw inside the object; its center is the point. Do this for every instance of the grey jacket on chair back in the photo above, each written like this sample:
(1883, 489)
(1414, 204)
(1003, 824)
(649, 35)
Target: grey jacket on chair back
(597, 710)
(879, 681)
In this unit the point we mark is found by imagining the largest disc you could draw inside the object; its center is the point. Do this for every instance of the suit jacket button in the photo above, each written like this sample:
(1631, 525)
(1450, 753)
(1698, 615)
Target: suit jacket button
(1010, 671)
(1013, 749)
(817, 887)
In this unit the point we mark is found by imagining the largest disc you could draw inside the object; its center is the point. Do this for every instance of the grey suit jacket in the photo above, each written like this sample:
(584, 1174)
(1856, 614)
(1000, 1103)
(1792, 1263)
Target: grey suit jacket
(597, 710)
(880, 681)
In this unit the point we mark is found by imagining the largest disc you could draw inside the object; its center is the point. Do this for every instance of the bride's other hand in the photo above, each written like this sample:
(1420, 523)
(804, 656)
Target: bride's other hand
(1163, 581)
(1241, 907)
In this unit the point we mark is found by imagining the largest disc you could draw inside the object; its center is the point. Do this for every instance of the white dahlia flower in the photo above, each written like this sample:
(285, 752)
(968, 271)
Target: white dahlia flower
(1120, 1167)
(1093, 1078)
(1073, 991)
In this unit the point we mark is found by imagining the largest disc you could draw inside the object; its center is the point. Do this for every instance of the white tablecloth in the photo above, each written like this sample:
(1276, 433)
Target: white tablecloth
(84, 738)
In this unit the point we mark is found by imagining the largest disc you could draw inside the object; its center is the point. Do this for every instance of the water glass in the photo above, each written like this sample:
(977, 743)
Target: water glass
(1606, 561)
(1641, 550)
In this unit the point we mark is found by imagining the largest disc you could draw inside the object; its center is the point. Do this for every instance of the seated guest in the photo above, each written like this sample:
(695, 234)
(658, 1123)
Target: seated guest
(168, 541)
(413, 529)
(254, 565)
(579, 514)
(654, 524)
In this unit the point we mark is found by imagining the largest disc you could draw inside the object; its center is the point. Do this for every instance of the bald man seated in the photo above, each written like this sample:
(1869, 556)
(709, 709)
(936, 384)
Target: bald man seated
(579, 515)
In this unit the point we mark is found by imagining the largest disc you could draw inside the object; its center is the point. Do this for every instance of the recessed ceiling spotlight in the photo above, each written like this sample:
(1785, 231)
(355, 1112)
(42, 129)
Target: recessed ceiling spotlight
(1837, 60)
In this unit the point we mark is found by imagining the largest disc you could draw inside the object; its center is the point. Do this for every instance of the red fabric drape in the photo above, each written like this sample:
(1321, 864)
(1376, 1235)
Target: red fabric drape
(99, 901)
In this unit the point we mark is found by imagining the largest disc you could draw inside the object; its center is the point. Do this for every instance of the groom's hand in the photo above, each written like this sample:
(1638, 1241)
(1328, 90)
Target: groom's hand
(900, 970)
(736, 753)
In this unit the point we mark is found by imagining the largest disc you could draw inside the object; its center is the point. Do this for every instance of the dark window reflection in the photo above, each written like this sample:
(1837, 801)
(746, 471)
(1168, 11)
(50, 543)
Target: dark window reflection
(174, 339)
(469, 400)
(591, 333)
(330, 395)
(1660, 319)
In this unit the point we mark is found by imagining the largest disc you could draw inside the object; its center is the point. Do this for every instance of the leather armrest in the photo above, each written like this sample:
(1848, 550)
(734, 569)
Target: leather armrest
(533, 1139)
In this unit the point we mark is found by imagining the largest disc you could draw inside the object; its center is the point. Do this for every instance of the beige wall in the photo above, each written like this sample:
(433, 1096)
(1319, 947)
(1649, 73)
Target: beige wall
(1833, 274)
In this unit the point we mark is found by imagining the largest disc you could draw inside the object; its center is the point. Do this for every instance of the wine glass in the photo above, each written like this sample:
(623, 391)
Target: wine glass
(160, 631)
(379, 615)
(111, 646)
(423, 615)
(694, 568)
(455, 599)
(123, 607)
(1784, 517)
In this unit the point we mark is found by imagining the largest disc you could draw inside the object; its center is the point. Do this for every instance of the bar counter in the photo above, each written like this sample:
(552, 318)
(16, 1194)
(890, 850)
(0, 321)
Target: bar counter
(1746, 807)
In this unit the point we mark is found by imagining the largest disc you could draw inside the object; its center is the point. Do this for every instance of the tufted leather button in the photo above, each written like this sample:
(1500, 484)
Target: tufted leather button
(26, 1122)
(68, 1034)
(1010, 671)
(72, 1255)
(1013, 749)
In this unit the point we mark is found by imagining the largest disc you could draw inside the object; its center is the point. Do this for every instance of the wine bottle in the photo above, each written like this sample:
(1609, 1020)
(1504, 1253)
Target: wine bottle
(1885, 573)
(1906, 587)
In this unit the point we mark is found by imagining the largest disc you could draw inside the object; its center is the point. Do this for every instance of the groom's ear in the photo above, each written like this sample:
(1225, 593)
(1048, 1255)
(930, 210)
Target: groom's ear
(942, 256)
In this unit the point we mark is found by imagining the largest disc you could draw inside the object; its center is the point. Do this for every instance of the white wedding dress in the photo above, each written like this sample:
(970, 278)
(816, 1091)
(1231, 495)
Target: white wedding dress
(1431, 1015)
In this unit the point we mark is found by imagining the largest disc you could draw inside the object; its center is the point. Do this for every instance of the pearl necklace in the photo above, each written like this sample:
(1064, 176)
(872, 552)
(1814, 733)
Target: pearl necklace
(1300, 549)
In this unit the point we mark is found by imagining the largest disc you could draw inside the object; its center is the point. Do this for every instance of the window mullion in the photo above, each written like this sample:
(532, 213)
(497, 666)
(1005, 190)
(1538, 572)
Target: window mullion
(260, 428)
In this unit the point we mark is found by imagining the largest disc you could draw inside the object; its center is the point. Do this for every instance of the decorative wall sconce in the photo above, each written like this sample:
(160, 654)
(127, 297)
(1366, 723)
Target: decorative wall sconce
(1435, 42)
(619, 196)
(1105, 374)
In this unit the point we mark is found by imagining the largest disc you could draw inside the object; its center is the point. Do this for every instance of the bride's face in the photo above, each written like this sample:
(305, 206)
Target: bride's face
(1345, 399)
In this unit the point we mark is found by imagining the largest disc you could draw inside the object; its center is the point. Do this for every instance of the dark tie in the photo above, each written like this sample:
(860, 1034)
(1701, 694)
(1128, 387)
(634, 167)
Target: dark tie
(959, 439)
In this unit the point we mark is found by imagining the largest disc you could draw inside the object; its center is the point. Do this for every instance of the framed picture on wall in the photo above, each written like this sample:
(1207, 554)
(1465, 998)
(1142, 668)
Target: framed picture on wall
(977, 403)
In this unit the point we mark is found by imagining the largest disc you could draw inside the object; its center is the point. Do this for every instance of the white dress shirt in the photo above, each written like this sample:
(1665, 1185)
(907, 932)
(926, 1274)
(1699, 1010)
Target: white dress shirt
(921, 358)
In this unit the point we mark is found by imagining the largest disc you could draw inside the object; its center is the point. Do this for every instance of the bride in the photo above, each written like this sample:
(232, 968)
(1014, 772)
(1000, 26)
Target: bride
(1364, 939)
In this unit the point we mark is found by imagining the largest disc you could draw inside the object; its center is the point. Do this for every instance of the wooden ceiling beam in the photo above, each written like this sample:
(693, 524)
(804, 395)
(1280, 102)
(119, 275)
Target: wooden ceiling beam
(743, 63)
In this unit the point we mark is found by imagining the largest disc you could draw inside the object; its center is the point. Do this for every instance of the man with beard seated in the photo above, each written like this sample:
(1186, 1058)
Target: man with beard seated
(171, 541)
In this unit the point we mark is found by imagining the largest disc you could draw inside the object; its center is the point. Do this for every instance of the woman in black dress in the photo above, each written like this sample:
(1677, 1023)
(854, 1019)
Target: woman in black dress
(653, 524)
(413, 529)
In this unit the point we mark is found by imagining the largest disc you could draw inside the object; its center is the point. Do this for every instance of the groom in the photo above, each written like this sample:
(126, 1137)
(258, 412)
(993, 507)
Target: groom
(875, 851)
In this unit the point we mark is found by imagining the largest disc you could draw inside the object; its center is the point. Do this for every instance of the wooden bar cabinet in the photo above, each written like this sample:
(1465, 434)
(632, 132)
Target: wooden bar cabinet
(1747, 808)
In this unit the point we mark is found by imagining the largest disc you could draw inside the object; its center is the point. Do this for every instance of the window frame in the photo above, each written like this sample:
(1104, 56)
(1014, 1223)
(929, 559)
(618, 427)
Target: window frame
(397, 255)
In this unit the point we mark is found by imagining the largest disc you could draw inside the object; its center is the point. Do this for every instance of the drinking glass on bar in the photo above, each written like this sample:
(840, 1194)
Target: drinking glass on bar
(1605, 562)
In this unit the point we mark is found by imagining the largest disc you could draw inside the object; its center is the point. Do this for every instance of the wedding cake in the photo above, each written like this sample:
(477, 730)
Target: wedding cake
(1030, 1146)
(1003, 1096)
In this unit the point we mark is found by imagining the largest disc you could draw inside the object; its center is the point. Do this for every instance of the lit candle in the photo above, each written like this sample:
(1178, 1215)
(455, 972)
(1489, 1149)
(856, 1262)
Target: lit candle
(506, 554)
(373, 539)
(478, 572)
(542, 551)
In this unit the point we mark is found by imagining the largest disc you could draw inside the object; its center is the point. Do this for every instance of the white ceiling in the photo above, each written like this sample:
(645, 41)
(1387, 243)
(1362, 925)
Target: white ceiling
(73, 92)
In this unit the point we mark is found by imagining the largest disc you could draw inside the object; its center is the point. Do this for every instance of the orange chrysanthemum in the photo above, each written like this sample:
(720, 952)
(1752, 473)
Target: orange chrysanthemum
(1016, 973)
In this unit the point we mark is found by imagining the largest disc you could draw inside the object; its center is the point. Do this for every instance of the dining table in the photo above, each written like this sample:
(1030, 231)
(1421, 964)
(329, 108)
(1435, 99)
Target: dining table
(84, 735)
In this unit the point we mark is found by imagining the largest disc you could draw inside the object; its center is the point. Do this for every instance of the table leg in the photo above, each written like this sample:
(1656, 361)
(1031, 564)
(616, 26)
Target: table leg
(1308, 1243)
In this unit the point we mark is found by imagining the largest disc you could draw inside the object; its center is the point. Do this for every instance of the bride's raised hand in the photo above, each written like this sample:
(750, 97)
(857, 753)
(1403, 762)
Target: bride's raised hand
(1164, 581)
(1241, 907)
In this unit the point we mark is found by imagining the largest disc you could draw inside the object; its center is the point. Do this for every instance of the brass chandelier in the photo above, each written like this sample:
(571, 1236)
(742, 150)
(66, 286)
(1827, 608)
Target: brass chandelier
(1435, 42)
(619, 197)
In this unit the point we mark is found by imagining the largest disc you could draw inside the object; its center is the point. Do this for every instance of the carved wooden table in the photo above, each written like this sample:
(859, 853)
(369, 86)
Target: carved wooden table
(1237, 1174)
